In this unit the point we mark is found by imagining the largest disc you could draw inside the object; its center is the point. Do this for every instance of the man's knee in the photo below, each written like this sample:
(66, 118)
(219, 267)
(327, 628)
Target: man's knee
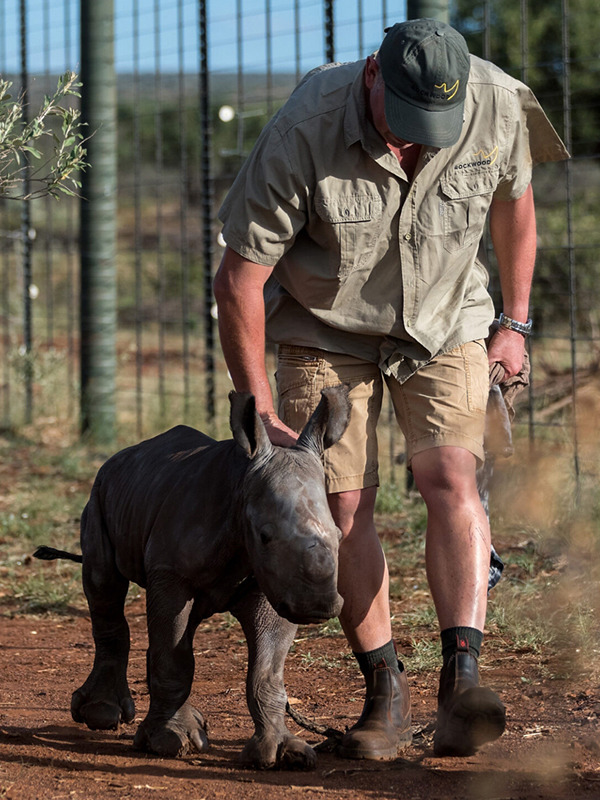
(445, 474)
(353, 510)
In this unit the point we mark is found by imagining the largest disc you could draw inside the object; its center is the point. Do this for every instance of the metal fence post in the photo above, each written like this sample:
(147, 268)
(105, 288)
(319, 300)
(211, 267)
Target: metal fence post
(26, 238)
(207, 233)
(568, 139)
(329, 32)
(5, 268)
(524, 34)
(434, 9)
(184, 253)
(98, 223)
(160, 239)
(137, 223)
(49, 201)
(70, 255)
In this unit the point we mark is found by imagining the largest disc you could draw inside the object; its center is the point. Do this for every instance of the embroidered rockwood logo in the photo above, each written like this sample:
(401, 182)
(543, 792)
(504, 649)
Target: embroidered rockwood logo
(445, 94)
(480, 159)
(448, 92)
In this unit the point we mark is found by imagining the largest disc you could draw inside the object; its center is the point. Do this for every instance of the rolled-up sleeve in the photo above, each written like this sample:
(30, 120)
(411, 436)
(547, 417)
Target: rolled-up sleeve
(266, 206)
(531, 140)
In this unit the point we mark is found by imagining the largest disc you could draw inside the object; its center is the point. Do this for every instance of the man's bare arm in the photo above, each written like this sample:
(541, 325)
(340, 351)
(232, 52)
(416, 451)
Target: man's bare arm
(513, 231)
(238, 289)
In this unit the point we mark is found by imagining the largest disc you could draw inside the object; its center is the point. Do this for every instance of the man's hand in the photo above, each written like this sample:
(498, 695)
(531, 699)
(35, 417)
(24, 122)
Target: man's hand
(278, 432)
(507, 348)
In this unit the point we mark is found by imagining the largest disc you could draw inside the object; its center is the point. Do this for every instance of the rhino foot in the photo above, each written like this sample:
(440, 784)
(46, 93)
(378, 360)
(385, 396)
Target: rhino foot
(102, 708)
(184, 731)
(264, 752)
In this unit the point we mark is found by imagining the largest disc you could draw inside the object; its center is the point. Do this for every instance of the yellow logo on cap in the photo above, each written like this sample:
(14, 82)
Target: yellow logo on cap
(492, 155)
(453, 89)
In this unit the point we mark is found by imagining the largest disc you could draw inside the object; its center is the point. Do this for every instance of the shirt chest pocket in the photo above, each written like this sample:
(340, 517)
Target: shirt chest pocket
(353, 225)
(466, 199)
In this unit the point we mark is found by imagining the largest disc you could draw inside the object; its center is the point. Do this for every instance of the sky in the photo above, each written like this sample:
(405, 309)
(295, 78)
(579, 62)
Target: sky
(168, 34)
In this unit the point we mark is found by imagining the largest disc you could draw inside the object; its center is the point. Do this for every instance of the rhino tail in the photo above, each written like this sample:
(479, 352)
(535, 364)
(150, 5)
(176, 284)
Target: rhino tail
(50, 553)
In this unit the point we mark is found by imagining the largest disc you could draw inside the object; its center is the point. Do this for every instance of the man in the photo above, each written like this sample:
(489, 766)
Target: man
(353, 229)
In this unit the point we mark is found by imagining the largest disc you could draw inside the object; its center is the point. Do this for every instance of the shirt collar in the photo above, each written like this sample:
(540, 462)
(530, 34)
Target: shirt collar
(355, 116)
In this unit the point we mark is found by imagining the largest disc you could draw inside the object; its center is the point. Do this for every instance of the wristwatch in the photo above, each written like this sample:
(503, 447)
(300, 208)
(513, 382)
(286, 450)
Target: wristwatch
(524, 328)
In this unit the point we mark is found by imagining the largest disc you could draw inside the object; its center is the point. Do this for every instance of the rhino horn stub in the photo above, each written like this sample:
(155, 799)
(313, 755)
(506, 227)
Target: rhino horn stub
(328, 421)
(246, 425)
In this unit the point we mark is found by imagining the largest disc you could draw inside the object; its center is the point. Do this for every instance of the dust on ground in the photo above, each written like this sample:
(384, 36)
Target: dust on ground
(551, 747)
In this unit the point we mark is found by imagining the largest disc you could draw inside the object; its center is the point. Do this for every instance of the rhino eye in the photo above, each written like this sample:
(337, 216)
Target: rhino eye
(267, 532)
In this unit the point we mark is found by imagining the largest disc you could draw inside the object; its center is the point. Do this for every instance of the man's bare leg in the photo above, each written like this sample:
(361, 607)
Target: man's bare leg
(457, 560)
(384, 725)
(363, 576)
(458, 535)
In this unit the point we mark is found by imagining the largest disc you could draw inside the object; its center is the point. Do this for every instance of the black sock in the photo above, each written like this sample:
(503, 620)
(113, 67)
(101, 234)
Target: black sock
(452, 636)
(382, 657)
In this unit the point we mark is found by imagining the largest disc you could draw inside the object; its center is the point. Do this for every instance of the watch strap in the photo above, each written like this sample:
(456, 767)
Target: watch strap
(524, 328)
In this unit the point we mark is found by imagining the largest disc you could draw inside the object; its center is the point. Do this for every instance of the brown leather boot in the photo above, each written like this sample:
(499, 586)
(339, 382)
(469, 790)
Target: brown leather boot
(469, 715)
(384, 725)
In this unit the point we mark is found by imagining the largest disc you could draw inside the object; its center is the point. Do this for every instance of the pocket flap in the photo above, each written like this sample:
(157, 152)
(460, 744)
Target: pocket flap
(351, 208)
(469, 184)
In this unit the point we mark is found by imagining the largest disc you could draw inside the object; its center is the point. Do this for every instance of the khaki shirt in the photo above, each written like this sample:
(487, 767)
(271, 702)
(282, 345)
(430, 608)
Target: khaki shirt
(368, 263)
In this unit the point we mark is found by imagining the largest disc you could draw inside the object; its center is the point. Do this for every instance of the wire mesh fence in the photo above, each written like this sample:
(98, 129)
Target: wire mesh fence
(196, 83)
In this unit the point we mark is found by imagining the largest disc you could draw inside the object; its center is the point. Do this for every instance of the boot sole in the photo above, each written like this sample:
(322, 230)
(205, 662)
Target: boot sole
(477, 717)
(381, 754)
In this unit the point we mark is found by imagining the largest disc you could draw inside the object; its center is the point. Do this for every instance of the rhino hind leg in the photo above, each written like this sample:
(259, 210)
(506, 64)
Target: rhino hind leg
(269, 638)
(104, 700)
(172, 727)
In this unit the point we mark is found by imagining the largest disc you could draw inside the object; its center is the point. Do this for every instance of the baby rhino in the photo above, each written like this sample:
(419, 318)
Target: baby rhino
(205, 526)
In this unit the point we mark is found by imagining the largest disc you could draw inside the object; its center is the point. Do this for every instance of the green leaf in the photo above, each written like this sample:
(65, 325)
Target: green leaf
(32, 150)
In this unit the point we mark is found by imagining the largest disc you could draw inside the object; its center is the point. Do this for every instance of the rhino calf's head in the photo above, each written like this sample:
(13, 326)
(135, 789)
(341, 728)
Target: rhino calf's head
(291, 538)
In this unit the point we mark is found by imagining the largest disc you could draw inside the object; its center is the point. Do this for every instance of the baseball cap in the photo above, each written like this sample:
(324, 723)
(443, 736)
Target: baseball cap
(425, 68)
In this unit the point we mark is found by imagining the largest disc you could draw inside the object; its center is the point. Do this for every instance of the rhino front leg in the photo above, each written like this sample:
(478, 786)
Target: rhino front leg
(172, 725)
(104, 699)
(269, 638)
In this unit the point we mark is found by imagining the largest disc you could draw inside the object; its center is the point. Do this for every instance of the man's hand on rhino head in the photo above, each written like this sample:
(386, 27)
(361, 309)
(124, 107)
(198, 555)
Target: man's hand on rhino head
(507, 348)
(277, 432)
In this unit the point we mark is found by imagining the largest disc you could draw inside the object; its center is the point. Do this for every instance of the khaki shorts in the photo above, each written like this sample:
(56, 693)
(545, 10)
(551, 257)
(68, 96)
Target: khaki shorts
(442, 404)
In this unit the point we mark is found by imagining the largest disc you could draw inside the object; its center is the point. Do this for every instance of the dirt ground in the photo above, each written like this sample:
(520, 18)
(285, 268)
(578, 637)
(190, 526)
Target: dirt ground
(551, 748)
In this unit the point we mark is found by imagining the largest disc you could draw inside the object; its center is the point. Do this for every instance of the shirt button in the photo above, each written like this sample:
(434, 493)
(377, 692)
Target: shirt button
(408, 323)
(408, 237)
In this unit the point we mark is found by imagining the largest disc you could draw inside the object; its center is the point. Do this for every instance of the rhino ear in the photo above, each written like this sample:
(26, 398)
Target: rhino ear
(247, 427)
(329, 420)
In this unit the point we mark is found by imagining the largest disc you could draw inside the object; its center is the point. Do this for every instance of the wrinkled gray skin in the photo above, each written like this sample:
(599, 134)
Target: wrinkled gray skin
(205, 526)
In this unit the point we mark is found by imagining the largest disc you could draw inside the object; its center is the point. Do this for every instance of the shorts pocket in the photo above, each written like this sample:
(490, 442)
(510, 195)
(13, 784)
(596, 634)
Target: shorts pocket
(298, 395)
(477, 374)
(294, 371)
